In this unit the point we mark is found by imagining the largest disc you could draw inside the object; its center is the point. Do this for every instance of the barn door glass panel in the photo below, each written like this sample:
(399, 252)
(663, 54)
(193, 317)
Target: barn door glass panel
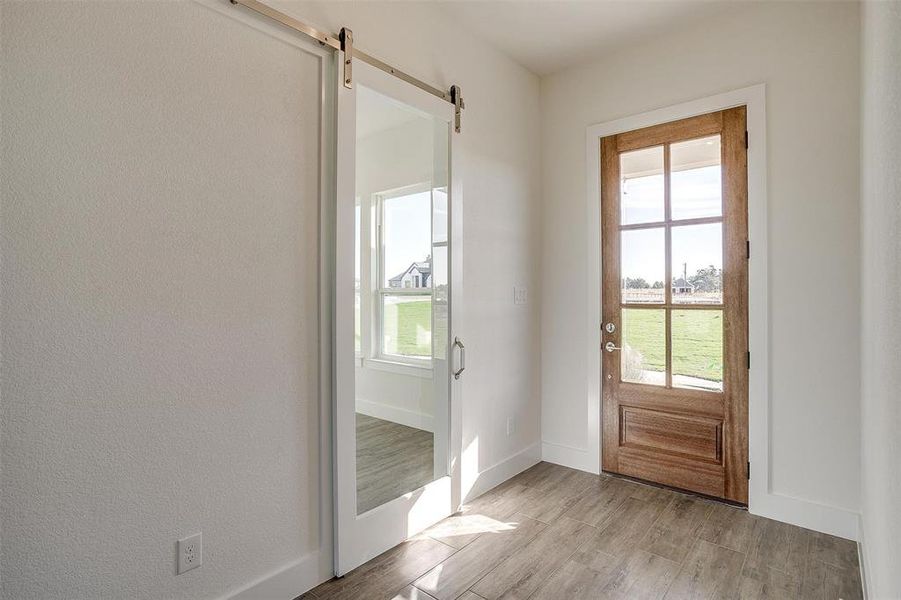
(401, 378)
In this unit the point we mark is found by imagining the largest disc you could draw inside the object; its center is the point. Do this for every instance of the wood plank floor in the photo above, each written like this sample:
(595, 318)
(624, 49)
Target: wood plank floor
(556, 533)
(392, 460)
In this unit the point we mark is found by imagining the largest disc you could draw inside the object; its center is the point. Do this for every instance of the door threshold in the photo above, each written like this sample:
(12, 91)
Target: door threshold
(731, 503)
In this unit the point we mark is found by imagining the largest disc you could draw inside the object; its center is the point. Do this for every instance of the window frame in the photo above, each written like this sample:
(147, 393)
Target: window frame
(379, 289)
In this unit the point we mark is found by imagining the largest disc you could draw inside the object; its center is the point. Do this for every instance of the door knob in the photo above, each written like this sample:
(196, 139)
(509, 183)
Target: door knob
(610, 347)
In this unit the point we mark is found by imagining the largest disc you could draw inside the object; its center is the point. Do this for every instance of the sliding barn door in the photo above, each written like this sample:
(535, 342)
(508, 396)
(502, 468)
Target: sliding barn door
(397, 358)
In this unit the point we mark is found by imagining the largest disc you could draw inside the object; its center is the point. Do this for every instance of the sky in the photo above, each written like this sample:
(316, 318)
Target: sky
(408, 231)
(695, 193)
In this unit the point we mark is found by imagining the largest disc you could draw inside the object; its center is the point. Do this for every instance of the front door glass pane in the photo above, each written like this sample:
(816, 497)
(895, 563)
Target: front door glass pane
(641, 186)
(698, 349)
(644, 346)
(643, 265)
(696, 183)
(697, 264)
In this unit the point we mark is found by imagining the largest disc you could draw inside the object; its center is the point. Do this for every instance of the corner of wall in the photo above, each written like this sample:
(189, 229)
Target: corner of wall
(862, 559)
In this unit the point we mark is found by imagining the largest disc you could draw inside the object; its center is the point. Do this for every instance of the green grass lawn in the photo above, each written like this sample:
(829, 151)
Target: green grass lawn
(409, 326)
(697, 340)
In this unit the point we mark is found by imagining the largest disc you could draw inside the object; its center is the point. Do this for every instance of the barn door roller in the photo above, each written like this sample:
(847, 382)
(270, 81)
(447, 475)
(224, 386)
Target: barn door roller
(344, 41)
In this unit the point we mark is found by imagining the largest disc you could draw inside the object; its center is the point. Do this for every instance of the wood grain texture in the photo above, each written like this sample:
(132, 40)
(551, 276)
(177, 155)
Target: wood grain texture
(735, 301)
(683, 129)
(673, 533)
(640, 575)
(709, 571)
(412, 593)
(687, 435)
(598, 503)
(470, 596)
(459, 572)
(610, 298)
(618, 540)
(387, 574)
(392, 460)
(692, 439)
(729, 527)
(521, 574)
(675, 470)
(625, 529)
(547, 505)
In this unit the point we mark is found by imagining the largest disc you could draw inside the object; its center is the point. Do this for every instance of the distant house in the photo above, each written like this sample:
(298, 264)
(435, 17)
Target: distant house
(681, 286)
(417, 275)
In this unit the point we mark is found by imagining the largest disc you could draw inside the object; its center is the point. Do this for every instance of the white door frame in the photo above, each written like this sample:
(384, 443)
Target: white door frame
(754, 98)
(359, 538)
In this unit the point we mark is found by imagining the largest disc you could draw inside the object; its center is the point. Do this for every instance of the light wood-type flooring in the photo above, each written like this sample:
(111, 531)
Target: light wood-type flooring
(556, 533)
(392, 460)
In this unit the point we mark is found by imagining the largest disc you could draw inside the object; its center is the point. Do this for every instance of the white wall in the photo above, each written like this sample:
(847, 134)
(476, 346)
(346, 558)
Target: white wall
(160, 208)
(159, 244)
(807, 54)
(881, 288)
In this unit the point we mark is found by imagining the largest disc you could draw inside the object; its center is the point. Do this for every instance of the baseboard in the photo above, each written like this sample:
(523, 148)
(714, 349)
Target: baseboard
(809, 515)
(397, 415)
(504, 470)
(567, 456)
(289, 582)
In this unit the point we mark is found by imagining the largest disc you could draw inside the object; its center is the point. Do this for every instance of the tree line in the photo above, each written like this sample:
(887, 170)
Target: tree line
(705, 279)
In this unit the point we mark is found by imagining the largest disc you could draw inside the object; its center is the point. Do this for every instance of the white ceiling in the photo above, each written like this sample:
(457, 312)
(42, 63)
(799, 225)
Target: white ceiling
(550, 35)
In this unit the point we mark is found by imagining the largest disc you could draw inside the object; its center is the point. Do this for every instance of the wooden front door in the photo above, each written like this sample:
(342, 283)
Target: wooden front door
(675, 302)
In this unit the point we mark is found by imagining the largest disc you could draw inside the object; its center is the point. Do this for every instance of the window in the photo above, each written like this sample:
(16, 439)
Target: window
(403, 307)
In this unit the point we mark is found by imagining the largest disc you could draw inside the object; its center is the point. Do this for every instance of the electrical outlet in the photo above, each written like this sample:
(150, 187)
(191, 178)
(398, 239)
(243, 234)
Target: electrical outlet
(190, 553)
(511, 425)
(520, 295)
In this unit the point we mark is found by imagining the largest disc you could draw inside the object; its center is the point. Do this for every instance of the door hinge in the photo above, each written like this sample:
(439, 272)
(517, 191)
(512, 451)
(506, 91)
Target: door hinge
(747, 248)
(746, 139)
(749, 359)
(749, 470)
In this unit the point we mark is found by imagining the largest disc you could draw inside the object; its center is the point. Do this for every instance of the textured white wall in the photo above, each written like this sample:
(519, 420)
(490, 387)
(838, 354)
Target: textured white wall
(160, 169)
(159, 244)
(807, 54)
(881, 289)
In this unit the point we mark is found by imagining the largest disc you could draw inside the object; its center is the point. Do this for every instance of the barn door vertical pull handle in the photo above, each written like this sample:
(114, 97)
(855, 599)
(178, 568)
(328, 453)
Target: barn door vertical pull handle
(462, 368)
